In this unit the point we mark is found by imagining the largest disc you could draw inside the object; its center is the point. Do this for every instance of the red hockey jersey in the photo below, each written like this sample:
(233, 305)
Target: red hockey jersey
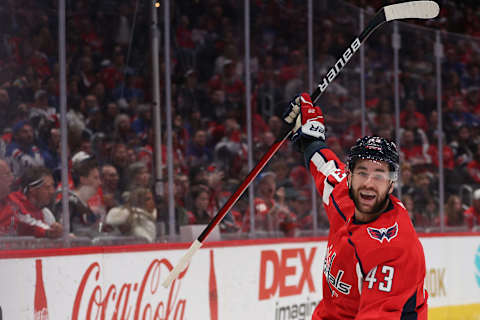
(372, 270)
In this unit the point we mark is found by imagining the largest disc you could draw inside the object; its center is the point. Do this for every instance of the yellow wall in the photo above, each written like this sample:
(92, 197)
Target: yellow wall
(465, 312)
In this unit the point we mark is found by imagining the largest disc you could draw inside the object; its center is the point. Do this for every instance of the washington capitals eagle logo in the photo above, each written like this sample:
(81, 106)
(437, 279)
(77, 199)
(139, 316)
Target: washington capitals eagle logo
(383, 233)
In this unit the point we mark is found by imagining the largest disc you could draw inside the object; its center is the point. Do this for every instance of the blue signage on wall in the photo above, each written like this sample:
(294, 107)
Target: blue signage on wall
(477, 264)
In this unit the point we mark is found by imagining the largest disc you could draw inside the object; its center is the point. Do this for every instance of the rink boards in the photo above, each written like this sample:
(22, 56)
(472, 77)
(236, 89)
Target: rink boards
(265, 279)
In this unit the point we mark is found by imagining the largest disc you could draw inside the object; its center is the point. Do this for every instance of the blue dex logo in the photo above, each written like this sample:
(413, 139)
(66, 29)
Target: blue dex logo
(477, 264)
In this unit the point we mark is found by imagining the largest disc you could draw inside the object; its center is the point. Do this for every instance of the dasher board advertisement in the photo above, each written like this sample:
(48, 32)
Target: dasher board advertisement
(270, 279)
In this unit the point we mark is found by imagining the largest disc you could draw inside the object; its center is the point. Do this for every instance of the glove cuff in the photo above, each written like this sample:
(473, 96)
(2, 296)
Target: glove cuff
(301, 142)
(315, 129)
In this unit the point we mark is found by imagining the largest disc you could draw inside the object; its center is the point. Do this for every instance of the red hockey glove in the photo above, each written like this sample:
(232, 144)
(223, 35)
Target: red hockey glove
(307, 120)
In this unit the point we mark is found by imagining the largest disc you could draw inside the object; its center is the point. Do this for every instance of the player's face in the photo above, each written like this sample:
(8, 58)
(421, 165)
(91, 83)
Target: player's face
(370, 186)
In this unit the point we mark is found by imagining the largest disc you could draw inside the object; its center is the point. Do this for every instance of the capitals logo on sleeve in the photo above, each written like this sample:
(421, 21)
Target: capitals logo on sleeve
(383, 233)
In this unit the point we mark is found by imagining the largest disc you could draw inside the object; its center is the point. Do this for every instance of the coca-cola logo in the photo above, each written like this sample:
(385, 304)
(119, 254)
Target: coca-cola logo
(129, 300)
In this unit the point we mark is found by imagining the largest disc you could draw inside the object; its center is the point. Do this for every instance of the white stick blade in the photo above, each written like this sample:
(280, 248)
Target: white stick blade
(182, 264)
(412, 10)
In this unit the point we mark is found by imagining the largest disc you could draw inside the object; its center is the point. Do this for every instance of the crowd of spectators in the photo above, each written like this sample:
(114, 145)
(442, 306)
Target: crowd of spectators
(111, 134)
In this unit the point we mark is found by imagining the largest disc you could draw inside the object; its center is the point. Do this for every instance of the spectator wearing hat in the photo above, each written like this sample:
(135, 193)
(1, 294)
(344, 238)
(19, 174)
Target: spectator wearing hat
(472, 214)
(22, 151)
(34, 217)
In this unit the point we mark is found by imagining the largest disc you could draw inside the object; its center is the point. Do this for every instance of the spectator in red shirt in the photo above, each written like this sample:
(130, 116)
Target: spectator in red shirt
(269, 215)
(448, 158)
(183, 34)
(472, 214)
(7, 209)
(34, 217)
(91, 37)
(412, 152)
(228, 81)
(411, 109)
(113, 74)
(473, 167)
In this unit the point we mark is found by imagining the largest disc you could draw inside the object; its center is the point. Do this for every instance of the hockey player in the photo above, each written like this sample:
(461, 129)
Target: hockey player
(374, 267)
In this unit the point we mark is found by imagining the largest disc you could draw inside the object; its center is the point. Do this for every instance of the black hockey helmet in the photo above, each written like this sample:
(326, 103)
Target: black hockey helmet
(377, 149)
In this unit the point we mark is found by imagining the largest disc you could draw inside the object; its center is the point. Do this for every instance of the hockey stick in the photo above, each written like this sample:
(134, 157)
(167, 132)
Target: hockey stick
(406, 10)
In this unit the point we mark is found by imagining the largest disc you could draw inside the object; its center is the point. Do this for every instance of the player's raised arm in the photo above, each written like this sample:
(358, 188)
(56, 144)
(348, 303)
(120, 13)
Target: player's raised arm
(308, 127)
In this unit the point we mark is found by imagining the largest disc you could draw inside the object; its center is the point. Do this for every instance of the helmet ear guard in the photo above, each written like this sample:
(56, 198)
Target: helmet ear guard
(376, 149)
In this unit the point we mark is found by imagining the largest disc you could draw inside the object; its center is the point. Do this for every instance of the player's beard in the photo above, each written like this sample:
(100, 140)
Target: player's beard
(380, 203)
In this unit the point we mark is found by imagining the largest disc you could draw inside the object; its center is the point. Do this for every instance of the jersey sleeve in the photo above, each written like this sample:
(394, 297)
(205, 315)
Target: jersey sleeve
(330, 180)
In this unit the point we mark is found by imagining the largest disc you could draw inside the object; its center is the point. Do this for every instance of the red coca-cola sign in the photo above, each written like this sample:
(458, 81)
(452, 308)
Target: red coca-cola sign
(40, 309)
(144, 299)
